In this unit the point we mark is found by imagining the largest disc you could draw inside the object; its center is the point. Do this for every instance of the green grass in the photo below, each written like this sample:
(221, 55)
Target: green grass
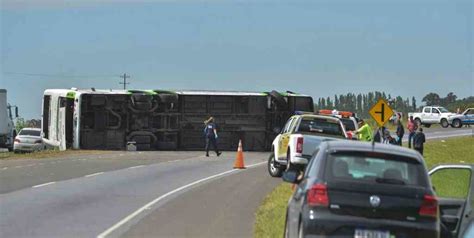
(270, 217)
(46, 154)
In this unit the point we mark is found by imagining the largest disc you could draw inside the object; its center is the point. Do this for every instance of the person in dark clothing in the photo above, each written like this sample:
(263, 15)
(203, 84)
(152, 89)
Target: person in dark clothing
(412, 127)
(400, 131)
(419, 140)
(210, 132)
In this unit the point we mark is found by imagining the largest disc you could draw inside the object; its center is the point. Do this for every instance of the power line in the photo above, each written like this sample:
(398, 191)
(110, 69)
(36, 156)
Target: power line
(125, 77)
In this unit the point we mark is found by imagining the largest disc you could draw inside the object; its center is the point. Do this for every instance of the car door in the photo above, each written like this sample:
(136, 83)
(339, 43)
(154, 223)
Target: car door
(295, 204)
(454, 188)
(285, 138)
(281, 152)
(426, 115)
(435, 115)
(468, 117)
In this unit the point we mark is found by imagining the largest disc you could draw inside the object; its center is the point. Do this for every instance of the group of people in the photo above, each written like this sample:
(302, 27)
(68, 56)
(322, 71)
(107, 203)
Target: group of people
(416, 137)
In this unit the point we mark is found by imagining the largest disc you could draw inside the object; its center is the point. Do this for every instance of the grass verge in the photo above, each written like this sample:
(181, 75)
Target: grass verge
(47, 154)
(270, 217)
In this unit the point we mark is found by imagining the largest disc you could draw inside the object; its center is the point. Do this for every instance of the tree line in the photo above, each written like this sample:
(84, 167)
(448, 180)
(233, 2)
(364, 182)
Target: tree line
(361, 103)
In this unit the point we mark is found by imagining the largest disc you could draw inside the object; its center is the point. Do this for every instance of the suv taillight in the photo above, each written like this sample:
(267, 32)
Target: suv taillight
(429, 207)
(318, 195)
(299, 145)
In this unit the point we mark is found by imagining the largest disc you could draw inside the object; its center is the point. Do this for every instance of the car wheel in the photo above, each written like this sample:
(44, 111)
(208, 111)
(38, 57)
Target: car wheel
(457, 123)
(272, 169)
(427, 125)
(301, 230)
(444, 123)
(418, 122)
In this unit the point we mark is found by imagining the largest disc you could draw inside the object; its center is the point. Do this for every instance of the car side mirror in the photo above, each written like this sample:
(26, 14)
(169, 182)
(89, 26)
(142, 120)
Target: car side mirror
(290, 176)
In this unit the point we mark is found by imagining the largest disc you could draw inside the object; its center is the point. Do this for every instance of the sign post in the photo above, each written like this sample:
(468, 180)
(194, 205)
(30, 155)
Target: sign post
(381, 113)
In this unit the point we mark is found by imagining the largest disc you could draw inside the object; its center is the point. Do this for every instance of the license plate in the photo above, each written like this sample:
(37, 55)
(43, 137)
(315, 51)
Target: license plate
(361, 233)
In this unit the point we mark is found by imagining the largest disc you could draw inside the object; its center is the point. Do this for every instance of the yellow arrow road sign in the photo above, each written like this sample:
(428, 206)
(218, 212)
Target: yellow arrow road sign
(381, 112)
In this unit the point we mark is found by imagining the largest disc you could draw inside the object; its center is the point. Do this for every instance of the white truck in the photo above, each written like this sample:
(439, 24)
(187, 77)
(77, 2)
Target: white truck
(297, 141)
(7, 127)
(432, 115)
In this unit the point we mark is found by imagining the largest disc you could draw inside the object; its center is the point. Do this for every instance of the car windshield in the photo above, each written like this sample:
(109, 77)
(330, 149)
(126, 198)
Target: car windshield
(349, 124)
(375, 168)
(30, 133)
(321, 126)
(443, 110)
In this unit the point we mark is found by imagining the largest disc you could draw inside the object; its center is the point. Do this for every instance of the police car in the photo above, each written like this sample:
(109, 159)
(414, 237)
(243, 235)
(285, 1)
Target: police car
(349, 119)
(466, 118)
(300, 137)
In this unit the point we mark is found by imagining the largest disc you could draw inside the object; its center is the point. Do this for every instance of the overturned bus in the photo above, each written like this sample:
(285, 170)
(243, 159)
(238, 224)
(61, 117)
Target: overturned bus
(164, 120)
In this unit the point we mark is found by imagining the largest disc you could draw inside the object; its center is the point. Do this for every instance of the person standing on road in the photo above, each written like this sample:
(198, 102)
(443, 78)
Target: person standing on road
(419, 140)
(364, 131)
(411, 126)
(210, 132)
(400, 131)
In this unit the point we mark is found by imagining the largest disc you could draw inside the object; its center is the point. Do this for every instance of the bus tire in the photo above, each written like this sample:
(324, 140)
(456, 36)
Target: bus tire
(168, 98)
(279, 99)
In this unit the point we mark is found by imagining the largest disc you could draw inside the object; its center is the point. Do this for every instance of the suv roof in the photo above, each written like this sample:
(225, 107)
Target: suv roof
(345, 145)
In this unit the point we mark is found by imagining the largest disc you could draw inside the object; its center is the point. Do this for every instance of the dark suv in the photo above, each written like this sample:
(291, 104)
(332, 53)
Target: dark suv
(356, 189)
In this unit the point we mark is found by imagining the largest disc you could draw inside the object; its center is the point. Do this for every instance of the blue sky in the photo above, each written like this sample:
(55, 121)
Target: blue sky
(320, 48)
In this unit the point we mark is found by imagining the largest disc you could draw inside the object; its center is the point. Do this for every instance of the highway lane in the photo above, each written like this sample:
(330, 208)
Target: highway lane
(25, 173)
(440, 133)
(88, 206)
(221, 208)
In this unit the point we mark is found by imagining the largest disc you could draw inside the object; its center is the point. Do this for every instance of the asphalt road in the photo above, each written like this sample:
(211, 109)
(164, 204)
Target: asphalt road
(137, 194)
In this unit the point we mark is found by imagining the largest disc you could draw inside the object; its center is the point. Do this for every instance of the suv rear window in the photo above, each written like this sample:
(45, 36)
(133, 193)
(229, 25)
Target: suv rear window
(375, 168)
(321, 126)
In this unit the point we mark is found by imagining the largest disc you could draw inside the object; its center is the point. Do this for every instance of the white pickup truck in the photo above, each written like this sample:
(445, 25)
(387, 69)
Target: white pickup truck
(298, 140)
(432, 115)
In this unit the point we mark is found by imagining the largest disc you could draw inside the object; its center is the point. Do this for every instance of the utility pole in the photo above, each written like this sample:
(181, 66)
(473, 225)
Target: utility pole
(125, 77)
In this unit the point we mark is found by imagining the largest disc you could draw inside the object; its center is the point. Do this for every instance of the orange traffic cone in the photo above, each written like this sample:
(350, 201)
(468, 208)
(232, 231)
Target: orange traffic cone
(239, 160)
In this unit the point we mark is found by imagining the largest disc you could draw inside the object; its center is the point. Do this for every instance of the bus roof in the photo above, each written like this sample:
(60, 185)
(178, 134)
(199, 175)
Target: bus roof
(68, 92)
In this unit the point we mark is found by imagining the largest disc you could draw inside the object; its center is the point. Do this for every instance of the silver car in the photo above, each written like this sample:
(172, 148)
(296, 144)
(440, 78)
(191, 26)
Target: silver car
(28, 140)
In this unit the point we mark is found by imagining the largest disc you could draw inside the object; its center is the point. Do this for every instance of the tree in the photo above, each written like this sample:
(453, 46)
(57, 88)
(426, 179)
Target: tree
(431, 99)
(20, 124)
(413, 103)
(450, 98)
(329, 103)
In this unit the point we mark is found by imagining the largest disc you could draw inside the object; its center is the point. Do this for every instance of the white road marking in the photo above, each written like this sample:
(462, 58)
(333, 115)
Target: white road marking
(4, 168)
(91, 175)
(171, 161)
(138, 166)
(150, 204)
(44, 184)
(17, 167)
